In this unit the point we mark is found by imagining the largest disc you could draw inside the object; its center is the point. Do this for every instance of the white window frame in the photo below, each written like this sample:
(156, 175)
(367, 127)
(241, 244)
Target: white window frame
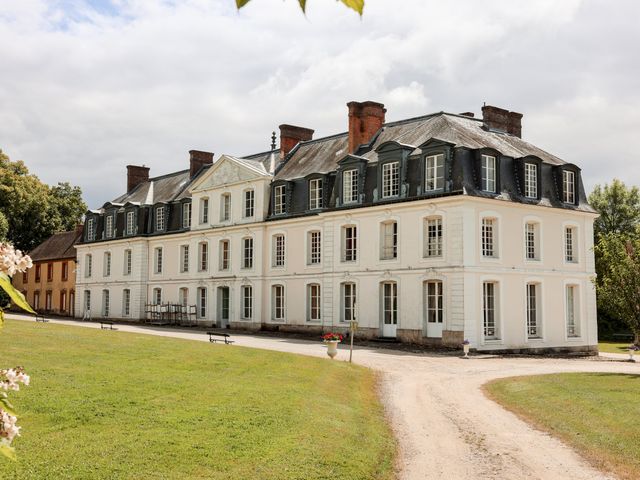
(108, 226)
(314, 302)
(569, 187)
(434, 301)
(203, 256)
(186, 215)
(572, 310)
(434, 172)
(160, 220)
(489, 237)
(348, 301)
(183, 296)
(249, 203)
(488, 173)
(246, 302)
(225, 207)
(201, 302)
(278, 303)
(279, 200)
(278, 250)
(157, 260)
(88, 265)
(225, 255)
(571, 244)
(247, 253)
(131, 222)
(106, 303)
(126, 302)
(532, 241)
(128, 261)
(314, 247)
(156, 295)
(91, 230)
(106, 265)
(204, 210)
(390, 179)
(530, 180)
(490, 310)
(349, 249)
(350, 186)
(315, 193)
(433, 237)
(389, 240)
(184, 258)
(533, 310)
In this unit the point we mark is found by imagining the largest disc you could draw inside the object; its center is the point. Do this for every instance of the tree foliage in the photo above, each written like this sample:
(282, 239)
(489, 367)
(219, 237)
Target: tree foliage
(618, 206)
(357, 5)
(34, 210)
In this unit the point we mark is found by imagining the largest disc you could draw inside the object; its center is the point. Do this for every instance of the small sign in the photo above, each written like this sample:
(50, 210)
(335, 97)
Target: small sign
(353, 324)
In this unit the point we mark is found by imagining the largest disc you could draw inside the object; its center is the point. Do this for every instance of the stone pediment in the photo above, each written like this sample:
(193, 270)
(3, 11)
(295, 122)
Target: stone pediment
(227, 171)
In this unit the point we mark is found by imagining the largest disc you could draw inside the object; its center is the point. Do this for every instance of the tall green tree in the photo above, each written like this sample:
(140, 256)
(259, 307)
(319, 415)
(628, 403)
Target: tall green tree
(618, 206)
(33, 209)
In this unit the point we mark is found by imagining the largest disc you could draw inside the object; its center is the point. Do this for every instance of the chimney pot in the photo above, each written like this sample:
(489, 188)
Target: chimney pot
(197, 159)
(136, 175)
(290, 136)
(365, 119)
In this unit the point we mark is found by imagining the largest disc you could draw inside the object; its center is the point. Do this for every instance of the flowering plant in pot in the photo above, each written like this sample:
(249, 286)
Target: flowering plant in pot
(332, 339)
(465, 348)
(633, 348)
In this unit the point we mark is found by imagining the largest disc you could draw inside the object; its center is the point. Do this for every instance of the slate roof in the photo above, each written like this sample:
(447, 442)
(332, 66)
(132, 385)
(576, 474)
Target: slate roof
(58, 246)
(322, 155)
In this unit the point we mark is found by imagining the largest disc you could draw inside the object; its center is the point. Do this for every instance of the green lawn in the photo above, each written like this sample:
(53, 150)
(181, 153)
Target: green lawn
(114, 405)
(596, 413)
(615, 347)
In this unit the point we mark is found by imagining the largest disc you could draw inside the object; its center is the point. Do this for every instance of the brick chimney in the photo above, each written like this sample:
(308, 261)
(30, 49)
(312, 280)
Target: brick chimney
(500, 119)
(365, 119)
(136, 175)
(290, 136)
(467, 114)
(197, 159)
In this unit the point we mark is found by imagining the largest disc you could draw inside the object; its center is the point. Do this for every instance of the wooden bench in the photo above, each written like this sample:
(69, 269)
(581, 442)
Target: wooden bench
(225, 337)
(107, 326)
(40, 318)
(623, 337)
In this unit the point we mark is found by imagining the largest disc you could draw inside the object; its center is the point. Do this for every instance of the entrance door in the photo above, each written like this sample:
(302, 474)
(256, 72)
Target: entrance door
(223, 307)
(433, 308)
(389, 309)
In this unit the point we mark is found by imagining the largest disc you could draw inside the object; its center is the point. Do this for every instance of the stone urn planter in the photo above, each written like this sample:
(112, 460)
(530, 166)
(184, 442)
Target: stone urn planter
(465, 348)
(332, 340)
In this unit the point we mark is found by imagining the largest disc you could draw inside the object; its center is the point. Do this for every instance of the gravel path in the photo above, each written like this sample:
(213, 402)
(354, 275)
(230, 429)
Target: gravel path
(445, 426)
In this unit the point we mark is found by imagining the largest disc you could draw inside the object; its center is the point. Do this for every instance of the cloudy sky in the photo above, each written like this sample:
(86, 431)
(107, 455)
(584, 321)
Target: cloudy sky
(87, 87)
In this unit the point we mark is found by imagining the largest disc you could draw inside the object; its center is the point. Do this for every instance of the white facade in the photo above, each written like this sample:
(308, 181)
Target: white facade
(296, 285)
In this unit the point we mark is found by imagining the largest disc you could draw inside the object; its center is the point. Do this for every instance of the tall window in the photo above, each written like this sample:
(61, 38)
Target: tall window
(157, 296)
(88, 267)
(350, 186)
(313, 302)
(249, 201)
(131, 223)
(573, 329)
(247, 252)
(570, 254)
(126, 302)
(87, 301)
(159, 219)
(315, 193)
(204, 210)
(91, 230)
(531, 240)
(225, 207)
(184, 296)
(47, 301)
(389, 234)
(434, 301)
(433, 237)
(434, 172)
(314, 247)
(184, 258)
(489, 244)
(530, 180)
(186, 215)
(533, 314)
(348, 302)
(390, 303)
(224, 254)
(157, 266)
(278, 251)
(246, 292)
(203, 256)
(488, 173)
(277, 302)
(202, 302)
(390, 179)
(568, 186)
(38, 271)
(349, 243)
(127, 262)
(107, 264)
(36, 300)
(105, 303)
(490, 310)
(279, 205)
(108, 228)
(49, 272)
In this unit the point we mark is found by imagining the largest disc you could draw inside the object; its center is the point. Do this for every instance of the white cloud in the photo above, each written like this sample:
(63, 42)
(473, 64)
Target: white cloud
(86, 90)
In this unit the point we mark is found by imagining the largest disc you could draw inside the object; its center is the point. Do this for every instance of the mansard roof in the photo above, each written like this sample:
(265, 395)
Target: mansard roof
(322, 155)
(59, 246)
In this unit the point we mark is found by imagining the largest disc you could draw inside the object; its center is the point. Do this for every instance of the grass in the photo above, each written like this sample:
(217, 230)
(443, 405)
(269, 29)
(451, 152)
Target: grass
(614, 347)
(115, 405)
(596, 413)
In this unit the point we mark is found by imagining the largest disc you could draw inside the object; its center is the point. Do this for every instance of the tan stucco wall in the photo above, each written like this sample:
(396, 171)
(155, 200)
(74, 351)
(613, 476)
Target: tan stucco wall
(56, 286)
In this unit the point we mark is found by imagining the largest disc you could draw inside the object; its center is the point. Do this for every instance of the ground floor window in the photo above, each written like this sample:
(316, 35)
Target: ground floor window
(573, 326)
(36, 300)
(184, 297)
(247, 302)
(533, 312)
(126, 302)
(348, 301)
(105, 303)
(490, 311)
(277, 302)
(87, 302)
(433, 291)
(313, 302)
(63, 301)
(157, 296)
(48, 306)
(202, 302)
(390, 303)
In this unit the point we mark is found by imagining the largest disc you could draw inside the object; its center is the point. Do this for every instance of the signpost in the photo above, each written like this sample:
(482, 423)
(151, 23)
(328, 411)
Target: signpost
(353, 327)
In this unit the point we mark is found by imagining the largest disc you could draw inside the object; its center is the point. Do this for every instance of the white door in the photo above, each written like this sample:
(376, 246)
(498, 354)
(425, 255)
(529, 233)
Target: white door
(389, 309)
(433, 308)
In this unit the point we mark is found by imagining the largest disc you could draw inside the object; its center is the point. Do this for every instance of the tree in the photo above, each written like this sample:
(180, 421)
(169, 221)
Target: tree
(619, 289)
(357, 5)
(618, 206)
(33, 210)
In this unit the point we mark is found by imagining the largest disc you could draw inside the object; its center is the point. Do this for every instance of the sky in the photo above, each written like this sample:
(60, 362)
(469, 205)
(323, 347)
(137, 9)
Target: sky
(88, 87)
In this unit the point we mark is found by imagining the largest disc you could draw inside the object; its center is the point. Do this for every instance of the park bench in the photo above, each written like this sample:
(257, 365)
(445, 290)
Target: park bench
(224, 337)
(623, 337)
(40, 318)
(107, 326)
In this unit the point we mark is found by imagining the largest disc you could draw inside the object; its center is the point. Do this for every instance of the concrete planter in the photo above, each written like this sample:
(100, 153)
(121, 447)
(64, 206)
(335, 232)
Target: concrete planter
(332, 348)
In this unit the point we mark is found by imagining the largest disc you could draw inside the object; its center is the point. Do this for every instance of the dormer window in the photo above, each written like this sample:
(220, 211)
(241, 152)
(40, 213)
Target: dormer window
(530, 180)
(350, 186)
(488, 166)
(390, 179)
(315, 194)
(568, 186)
(131, 223)
(186, 215)
(434, 173)
(108, 228)
(160, 223)
(279, 205)
(91, 230)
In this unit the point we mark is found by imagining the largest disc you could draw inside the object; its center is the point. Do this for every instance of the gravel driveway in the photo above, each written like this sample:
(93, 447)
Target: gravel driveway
(446, 427)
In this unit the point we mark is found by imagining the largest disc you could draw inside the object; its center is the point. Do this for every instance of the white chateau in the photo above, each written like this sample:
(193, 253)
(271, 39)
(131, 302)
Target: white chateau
(431, 230)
